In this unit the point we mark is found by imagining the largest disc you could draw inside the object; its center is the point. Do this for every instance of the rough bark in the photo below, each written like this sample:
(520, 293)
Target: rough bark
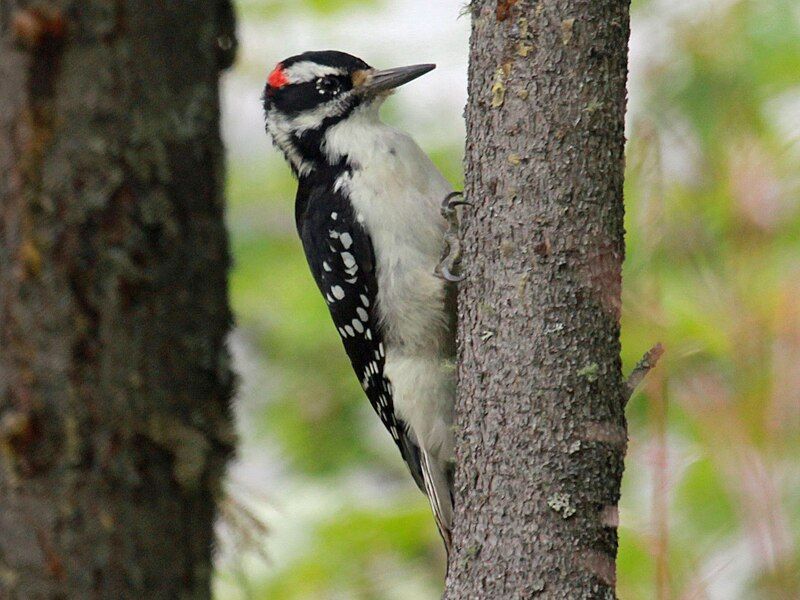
(114, 376)
(541, 425)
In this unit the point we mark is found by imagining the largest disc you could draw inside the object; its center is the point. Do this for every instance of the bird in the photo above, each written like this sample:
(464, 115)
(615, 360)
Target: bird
(375, 219)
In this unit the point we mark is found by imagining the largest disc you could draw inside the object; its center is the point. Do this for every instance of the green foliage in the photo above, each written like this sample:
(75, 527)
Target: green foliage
(271, 9)
(712, 267)
(354, 550)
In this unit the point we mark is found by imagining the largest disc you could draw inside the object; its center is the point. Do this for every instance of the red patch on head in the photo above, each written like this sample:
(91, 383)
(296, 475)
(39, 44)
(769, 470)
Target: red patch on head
(277, 79)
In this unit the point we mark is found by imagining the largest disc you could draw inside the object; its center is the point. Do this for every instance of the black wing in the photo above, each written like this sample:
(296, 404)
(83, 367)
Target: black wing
(340, 254)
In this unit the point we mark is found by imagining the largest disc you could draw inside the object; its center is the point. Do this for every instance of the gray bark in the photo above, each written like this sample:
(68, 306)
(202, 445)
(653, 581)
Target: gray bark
(114, 376)
(540, 414)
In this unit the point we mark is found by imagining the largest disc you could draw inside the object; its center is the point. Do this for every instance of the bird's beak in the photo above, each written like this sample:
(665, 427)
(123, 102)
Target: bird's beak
(374, 82)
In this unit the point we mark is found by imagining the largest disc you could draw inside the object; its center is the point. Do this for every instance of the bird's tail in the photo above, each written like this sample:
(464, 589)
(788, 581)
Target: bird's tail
(438, 477)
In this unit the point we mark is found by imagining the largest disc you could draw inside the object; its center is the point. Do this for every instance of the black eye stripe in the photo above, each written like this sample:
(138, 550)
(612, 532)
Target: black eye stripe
(343, 82)
(298, 97)
(295, 98)
(328, 84)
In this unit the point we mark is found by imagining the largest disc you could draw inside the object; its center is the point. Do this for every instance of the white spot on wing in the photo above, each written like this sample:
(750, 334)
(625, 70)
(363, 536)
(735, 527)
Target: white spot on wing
(349, 260)
(346, 240)
(358, 326)
(362, 314)
(337, 291)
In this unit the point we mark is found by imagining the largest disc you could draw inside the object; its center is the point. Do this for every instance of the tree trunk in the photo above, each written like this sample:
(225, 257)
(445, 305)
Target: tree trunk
(541, 425)
(114, 376)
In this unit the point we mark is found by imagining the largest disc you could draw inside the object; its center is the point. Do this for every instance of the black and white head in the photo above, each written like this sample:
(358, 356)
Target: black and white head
(309, 93)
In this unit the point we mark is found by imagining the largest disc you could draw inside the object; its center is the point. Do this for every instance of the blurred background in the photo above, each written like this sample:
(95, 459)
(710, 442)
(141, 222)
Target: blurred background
(711, 496)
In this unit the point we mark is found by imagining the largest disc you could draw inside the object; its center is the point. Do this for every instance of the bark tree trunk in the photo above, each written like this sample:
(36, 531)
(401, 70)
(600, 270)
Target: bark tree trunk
(114, 376)
(541, 425)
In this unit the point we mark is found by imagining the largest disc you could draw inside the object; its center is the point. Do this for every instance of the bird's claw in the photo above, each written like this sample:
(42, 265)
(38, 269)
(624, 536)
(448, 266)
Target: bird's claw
(451, 257)
(449, 203)
(443, 271)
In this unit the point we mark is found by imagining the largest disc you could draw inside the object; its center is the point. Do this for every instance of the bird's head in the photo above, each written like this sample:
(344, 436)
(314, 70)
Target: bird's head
(309, 93)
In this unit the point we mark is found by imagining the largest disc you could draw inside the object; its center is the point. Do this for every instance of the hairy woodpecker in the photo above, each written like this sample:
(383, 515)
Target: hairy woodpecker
(370, 216)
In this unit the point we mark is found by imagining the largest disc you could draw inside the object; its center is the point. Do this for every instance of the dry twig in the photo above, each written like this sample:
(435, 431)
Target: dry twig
(642, 368)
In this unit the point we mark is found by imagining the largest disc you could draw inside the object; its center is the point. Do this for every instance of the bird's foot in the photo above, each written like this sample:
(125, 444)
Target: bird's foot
(449, 264)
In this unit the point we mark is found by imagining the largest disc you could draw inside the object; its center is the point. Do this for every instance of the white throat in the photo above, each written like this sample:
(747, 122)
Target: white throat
(359, 137)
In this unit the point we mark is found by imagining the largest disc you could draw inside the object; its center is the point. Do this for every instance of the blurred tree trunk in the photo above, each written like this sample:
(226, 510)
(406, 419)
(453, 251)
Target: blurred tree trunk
(541, 425)
(114, 376)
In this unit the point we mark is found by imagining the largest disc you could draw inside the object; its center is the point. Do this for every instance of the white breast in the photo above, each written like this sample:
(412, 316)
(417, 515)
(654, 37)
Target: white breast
(397, 193)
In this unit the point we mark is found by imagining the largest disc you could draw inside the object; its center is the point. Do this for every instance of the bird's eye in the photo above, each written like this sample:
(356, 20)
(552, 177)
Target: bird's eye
(327, 85)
